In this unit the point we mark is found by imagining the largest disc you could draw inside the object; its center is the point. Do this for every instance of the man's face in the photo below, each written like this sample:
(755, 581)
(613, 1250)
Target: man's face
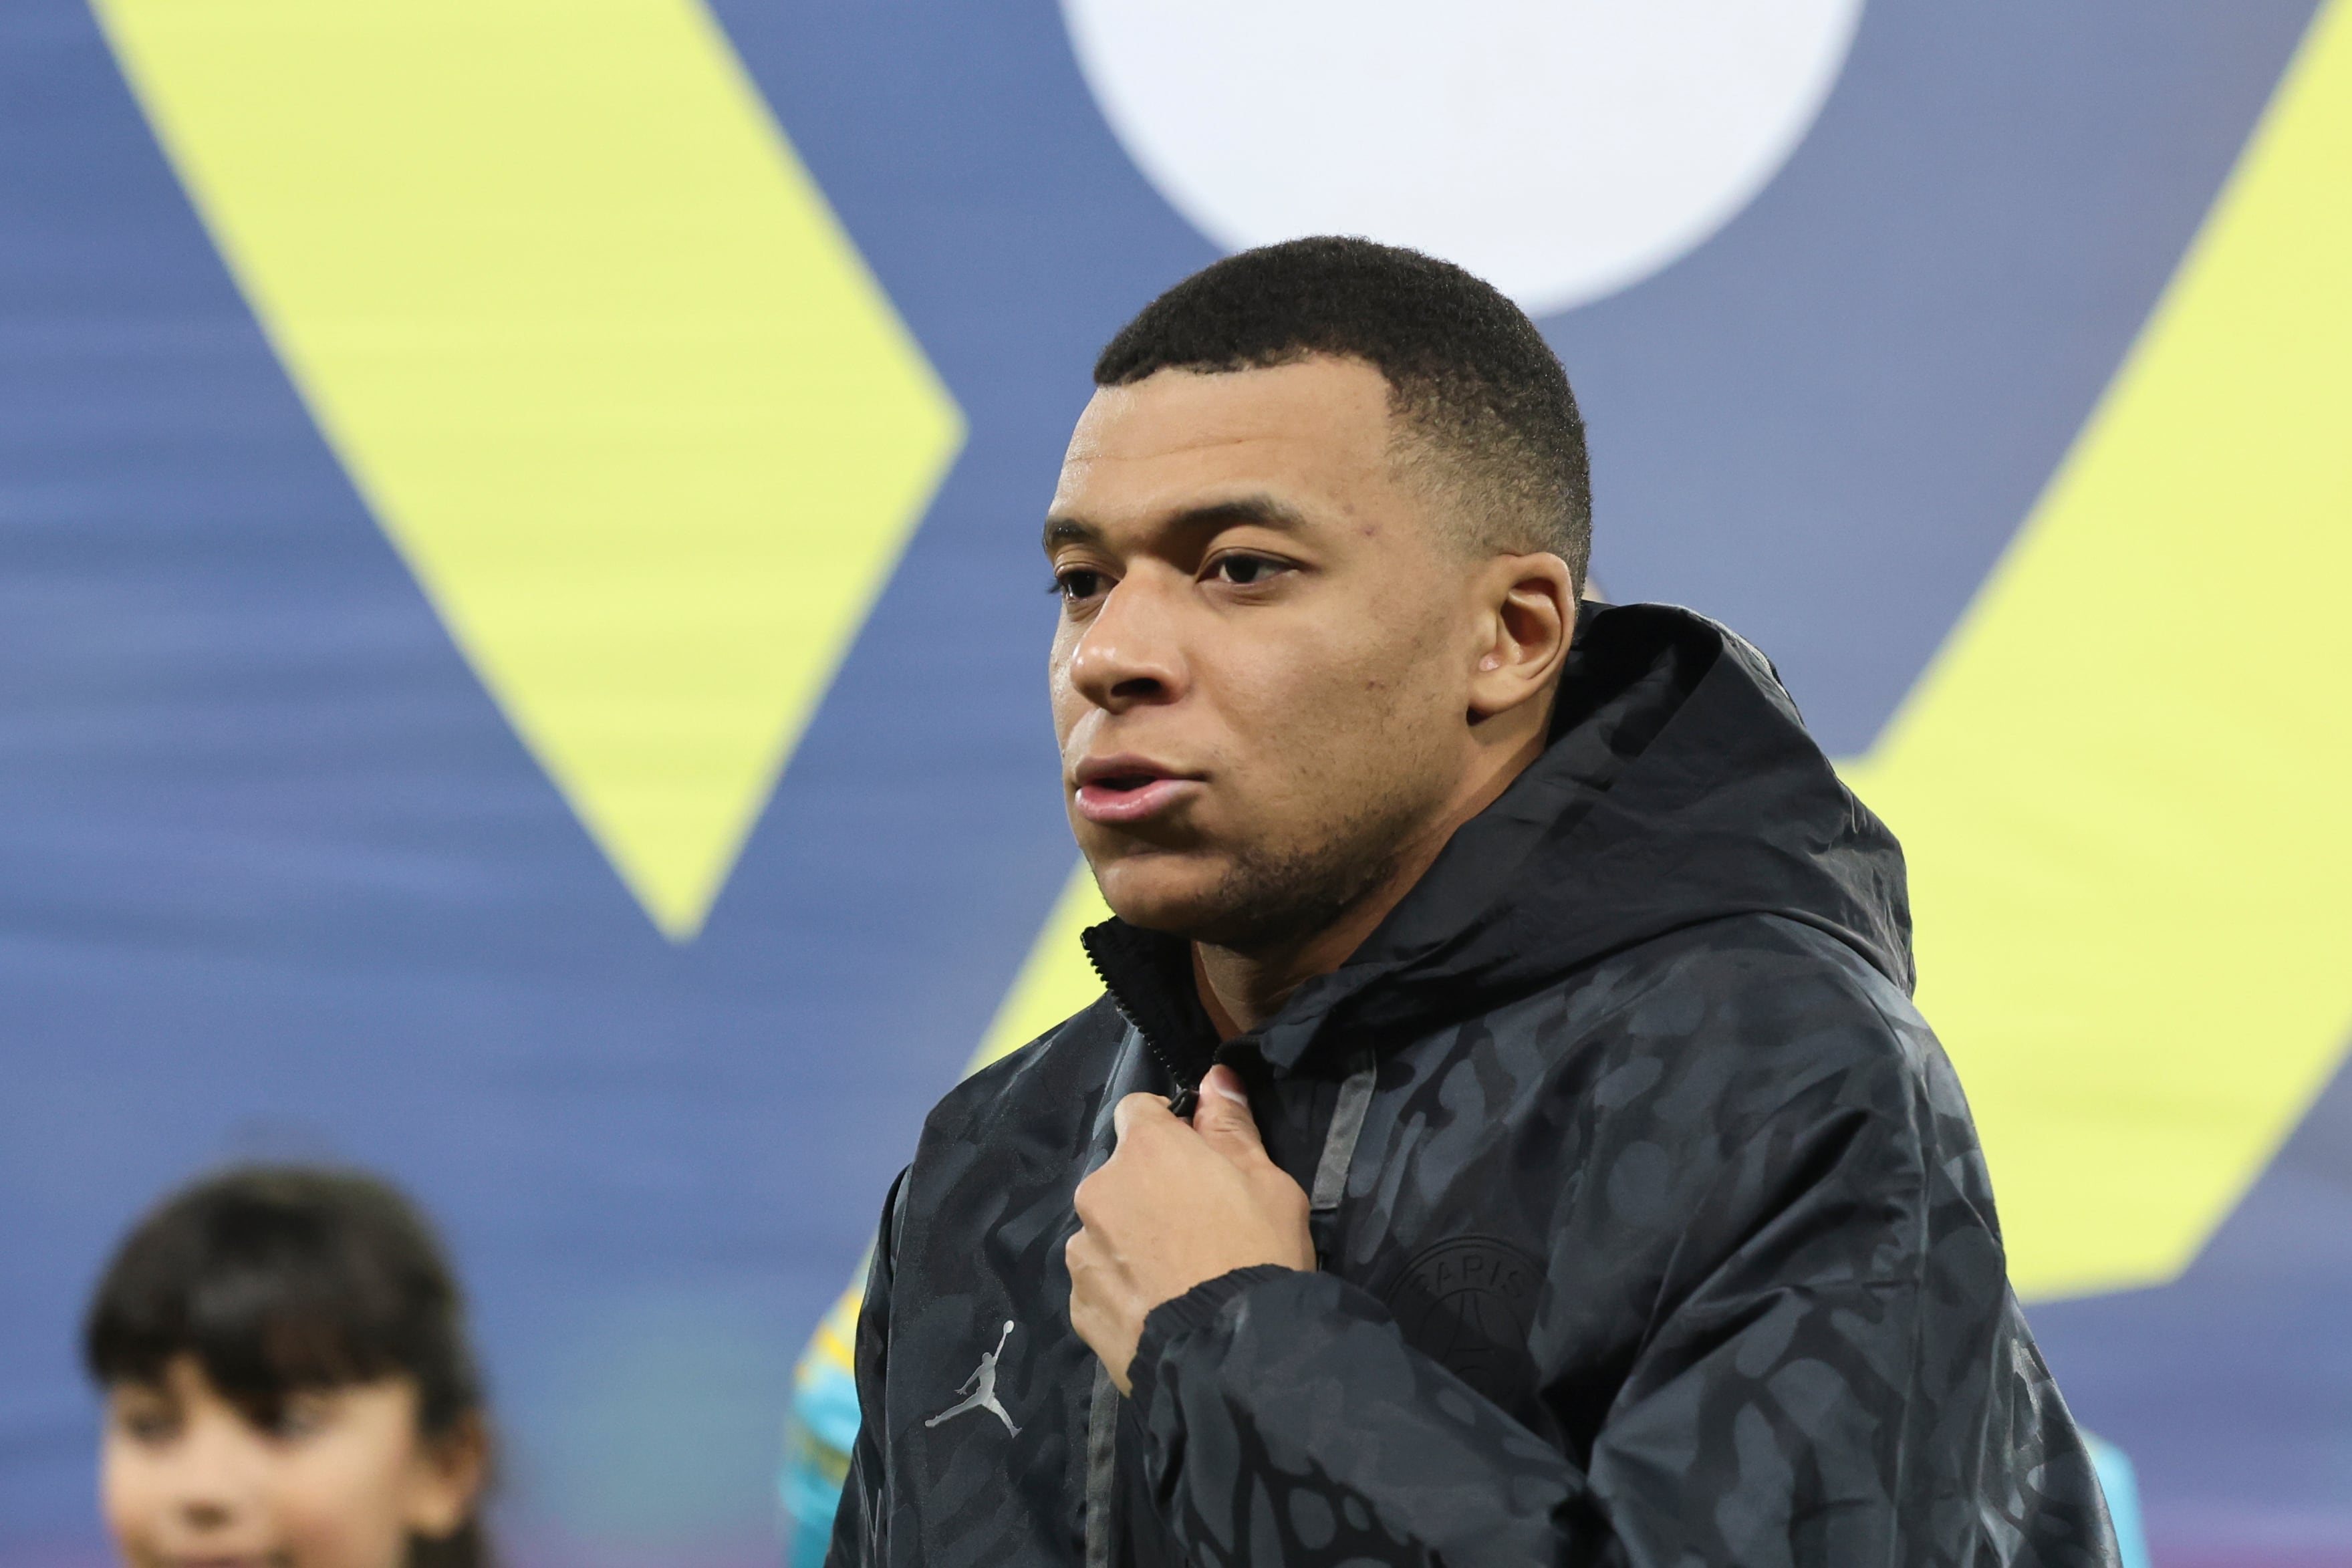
(1260, 674)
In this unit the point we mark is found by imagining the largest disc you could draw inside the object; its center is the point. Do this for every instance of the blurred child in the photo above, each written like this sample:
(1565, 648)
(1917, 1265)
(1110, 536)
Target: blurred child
(288, 1381)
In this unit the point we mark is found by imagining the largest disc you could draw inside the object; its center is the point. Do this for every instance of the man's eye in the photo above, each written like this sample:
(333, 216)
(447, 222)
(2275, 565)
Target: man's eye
(1077, 584)
(1242, 571)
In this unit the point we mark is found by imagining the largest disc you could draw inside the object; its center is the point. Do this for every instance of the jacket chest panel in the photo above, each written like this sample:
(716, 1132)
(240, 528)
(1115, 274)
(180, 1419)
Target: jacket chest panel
(987, 1413)
(1471, 1215)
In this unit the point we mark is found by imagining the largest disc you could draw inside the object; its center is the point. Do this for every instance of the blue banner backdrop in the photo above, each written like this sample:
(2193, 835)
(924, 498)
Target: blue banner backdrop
(300, 858)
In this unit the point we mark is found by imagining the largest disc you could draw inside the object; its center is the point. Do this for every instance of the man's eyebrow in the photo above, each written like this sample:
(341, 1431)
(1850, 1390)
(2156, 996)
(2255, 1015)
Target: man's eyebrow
(1060, 530)
(1259, 511)
(1262, 511)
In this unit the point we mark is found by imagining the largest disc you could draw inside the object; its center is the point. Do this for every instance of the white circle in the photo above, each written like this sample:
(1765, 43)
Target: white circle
(1562, 149)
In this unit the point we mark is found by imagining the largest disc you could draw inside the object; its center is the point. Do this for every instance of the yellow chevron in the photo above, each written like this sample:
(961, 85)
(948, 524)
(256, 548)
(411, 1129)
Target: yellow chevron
(1056, 980)
(2122, 784)
(594, 348)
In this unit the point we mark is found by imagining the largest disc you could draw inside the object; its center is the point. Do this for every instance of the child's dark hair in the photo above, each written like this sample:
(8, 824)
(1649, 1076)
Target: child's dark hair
(279, 1278)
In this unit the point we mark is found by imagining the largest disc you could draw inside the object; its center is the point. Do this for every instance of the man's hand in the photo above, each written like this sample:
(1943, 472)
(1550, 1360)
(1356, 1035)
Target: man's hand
(1175, 1205)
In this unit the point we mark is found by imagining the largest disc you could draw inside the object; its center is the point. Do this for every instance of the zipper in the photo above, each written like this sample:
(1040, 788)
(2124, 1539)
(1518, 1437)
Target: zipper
(1188, 1092)
(1338, 1155)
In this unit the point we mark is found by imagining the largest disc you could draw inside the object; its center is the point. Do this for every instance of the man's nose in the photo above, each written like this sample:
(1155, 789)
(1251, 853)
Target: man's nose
(1128, 656)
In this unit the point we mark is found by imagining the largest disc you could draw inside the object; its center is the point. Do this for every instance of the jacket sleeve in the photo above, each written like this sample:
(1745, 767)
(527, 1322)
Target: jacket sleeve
(1836, 1372)
(859, 1521)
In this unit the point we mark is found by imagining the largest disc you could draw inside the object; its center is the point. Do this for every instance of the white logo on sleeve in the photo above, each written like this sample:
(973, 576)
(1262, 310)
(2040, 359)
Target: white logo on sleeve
(979, 1389)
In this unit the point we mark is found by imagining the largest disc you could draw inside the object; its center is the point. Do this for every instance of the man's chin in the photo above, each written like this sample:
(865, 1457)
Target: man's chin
(1175, 894)
(1208, 899)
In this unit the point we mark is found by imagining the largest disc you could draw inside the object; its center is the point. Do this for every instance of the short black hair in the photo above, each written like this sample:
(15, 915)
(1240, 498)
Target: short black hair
(1466, 368)
(279, 1278)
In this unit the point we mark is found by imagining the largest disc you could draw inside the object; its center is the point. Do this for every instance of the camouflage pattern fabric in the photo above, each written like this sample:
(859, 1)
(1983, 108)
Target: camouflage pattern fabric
(1666, 1240)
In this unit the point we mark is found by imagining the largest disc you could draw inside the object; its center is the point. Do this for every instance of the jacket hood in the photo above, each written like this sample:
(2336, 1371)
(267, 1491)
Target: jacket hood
(1679, 786)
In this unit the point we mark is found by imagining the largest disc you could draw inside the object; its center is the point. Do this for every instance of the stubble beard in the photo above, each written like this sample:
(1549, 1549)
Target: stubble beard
(1269, 899)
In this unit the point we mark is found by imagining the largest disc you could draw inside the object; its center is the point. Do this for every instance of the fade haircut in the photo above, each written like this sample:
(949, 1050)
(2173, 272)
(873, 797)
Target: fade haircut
(1468, 374)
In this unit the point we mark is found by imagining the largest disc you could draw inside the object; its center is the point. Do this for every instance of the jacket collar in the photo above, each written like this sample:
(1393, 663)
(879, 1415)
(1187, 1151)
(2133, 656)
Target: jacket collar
(1679, 786)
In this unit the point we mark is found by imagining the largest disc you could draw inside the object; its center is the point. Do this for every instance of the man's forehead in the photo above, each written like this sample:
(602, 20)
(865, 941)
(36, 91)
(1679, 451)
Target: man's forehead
(1323, 401)
(1163, 442)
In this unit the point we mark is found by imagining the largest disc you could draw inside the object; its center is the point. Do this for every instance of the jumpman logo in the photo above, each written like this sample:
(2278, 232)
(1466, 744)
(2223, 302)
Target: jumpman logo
(982, 1388)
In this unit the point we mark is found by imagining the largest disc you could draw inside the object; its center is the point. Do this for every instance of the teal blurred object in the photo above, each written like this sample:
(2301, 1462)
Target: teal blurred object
(820, 1430)
(2116, 1478)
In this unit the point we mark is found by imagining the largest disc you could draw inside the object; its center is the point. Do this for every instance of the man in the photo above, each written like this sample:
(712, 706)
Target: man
(1507, 1138)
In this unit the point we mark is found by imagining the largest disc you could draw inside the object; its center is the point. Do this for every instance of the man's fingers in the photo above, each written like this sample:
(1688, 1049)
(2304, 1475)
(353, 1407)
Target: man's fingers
(1080, 1256)
(1145, 1107)
(1224, 1118)
(1095, 1312)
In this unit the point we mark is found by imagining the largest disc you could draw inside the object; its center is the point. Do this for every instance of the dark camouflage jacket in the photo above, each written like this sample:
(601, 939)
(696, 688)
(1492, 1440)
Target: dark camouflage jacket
(1655, 1229)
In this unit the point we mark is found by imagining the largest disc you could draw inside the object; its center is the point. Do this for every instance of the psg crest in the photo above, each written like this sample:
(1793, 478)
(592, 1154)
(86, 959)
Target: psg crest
(1468, 1303)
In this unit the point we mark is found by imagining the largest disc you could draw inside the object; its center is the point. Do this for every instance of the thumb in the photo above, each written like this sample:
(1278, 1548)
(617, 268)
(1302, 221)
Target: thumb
(1134, 1107)
(1222, 1118)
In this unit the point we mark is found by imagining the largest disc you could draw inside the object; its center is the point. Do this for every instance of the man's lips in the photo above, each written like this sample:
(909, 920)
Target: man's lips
(1121, 790)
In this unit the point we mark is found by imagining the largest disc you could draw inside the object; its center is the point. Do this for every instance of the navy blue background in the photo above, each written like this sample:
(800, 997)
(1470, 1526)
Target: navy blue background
(277, 879)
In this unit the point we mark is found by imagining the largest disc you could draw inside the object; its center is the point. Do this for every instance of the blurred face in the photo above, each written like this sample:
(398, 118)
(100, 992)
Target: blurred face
(1262, 674)
(340, 1481)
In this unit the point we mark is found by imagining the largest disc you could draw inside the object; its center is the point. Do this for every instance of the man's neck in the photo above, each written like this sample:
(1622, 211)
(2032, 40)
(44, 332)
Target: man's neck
(1240, 991)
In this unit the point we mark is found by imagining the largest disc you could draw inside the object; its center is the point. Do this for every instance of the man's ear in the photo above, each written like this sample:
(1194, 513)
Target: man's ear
(1527, 609)
(445, 1480)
